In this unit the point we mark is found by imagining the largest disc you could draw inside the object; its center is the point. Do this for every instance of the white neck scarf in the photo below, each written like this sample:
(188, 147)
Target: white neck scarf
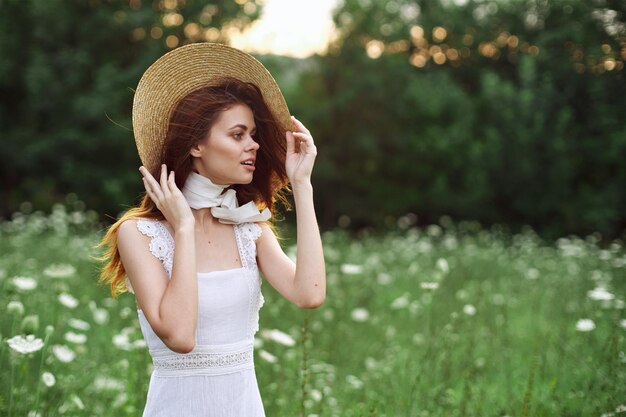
(201, 192)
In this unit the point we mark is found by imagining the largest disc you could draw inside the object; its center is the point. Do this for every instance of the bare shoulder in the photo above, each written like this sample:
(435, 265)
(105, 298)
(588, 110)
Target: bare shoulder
(128, 229)
(144, 270)
(267, 235)
(129, 237)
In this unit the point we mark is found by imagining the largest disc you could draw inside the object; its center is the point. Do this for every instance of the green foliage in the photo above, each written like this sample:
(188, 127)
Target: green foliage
(497, 111)
(66, 82)
(512, 126)
(446, 320)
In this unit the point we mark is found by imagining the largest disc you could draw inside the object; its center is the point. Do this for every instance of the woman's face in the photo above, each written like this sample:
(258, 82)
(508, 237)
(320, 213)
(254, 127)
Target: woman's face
(227, 156)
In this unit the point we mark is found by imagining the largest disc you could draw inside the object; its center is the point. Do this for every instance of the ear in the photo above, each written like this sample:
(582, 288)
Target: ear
(196, 150)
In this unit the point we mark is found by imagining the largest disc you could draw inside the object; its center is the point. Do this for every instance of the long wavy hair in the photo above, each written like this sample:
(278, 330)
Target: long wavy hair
(191, 123)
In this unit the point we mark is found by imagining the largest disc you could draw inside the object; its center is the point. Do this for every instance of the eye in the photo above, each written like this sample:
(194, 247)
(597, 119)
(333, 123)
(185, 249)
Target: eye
(238, 135)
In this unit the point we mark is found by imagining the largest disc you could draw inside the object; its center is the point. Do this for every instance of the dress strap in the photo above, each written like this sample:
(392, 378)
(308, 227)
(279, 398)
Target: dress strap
(162, 243)
(247, 234)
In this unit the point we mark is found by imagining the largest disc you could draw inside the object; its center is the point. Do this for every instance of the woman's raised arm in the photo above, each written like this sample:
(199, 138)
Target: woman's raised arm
(302, 283)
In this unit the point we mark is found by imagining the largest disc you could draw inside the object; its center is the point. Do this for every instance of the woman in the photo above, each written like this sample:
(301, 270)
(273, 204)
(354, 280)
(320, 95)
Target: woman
(213, 132)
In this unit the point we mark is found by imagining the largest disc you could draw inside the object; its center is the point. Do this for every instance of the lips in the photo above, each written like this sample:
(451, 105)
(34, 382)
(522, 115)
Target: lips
(249, 164)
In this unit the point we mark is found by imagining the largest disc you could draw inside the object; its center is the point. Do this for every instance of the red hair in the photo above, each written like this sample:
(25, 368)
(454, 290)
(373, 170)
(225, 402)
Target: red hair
(191, 123)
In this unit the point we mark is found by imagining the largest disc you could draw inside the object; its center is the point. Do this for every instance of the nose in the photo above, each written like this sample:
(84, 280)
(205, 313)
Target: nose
(253, 144)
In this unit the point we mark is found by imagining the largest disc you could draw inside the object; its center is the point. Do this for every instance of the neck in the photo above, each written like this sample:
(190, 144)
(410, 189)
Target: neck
(204, 218)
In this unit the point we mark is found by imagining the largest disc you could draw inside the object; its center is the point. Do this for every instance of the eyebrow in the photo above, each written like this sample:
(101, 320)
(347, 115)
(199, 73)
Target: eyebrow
(242, 126)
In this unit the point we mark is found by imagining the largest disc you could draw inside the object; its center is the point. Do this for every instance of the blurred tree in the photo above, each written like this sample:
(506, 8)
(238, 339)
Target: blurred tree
(500, 111)
(505, 111)
(66, 86)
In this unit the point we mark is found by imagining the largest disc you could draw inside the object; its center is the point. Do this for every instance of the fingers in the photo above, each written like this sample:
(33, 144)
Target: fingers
(305, 142)
(300, 126)
(159, 191)
(171, 182)
(152, 186)
(291, 147)
(164, 186)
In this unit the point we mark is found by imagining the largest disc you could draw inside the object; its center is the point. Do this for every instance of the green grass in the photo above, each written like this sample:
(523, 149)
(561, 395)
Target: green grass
(497, 337)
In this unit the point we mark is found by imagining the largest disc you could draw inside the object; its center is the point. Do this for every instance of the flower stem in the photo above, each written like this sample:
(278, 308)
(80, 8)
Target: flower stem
(43, 351)
(11, 388)
(304, 369)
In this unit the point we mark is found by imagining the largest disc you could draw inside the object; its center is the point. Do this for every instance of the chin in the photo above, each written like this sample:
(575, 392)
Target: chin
(244, 181)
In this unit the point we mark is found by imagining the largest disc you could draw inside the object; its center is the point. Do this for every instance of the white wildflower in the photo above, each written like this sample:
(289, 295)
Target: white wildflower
(424, 246)
(622, 323)
(63, 353)
(100, 315)
(121, 341)
(265, 355)
(498, 299)
(384, 278)
(316, 395)
(585, 325)
(354, 381)
(351, 269)
(105, 383)
(77, 402)
(79, 324)
(371, 363)
(600, 294)
(360, 314)
(139, 344)
(25, 283)
(48, 379)
(400, 302)
(120, 400)
(77, 338)
(258, 342)
(25, 344)
(429, 285)
(278, 336)
(60, 270)
(15, 307)
(434, 230)
(443, 266)
(469, 309)
(532, 273)
(125, 312)
(68, 300)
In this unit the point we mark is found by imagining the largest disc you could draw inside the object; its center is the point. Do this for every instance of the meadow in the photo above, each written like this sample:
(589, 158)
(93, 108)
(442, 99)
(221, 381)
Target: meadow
(448, 320)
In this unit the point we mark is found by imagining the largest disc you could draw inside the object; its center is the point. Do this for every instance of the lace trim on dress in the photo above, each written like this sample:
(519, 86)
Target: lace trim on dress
(162, 244)
(208, 360)
(247, 234)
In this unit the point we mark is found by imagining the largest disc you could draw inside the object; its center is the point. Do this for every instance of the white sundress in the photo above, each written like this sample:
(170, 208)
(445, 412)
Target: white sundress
(217, 378)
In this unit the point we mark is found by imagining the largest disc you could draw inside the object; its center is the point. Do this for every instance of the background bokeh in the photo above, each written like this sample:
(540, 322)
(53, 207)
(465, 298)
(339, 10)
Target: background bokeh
(508, 112)
(470, 185)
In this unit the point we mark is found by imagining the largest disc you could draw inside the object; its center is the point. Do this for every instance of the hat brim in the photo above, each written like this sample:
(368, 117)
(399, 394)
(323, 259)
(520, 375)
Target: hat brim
(183, 70)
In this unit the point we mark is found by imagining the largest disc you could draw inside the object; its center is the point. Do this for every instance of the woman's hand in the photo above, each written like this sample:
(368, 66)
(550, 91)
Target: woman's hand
(301, 152)
(168, 198)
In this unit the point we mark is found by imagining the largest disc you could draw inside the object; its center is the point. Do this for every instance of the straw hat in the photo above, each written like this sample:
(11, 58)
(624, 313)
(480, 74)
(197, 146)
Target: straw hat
(183, 70)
